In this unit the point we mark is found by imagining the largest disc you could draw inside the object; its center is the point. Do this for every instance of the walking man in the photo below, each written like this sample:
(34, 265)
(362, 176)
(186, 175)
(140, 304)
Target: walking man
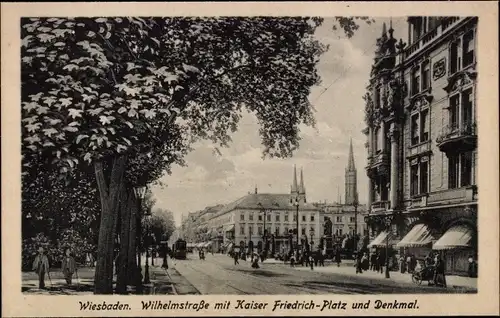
(41, 266)
(338, 257)
(68, 266)
(235, 257)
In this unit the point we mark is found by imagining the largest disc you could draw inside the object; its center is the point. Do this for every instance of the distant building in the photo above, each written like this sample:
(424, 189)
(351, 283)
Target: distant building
(421, 131)
(347, 216)
(244, 221)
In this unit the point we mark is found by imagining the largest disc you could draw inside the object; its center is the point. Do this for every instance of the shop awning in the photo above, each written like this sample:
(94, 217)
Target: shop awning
(381, 240)
(207, 244)
(458, 236)
(419, 235)
(229, 246)
(230, 228)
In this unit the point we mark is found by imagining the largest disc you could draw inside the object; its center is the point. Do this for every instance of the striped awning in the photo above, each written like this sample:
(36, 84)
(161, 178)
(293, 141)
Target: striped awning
(230, 228)
(380, 240)
(458, 236)
(419, 235)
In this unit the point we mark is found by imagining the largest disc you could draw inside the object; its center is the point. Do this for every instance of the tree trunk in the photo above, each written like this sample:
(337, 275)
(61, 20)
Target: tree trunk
(103, 279)
(132, 255)
(125, 211)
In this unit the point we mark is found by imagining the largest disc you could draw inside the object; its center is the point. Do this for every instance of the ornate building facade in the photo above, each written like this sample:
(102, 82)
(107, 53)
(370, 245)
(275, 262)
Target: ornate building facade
(257, 218)
(421, 140)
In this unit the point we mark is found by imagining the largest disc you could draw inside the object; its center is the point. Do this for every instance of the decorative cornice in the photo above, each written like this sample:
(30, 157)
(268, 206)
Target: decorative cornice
(419, 99)
(459, 80)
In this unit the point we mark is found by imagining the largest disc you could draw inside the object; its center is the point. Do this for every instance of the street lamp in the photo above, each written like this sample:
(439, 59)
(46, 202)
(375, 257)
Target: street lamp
(355, 203)
(148, 227)
(295, 203)
(139, 191)
(388, 222)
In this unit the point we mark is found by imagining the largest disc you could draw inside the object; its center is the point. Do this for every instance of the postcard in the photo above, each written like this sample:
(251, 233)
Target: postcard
(265, 158)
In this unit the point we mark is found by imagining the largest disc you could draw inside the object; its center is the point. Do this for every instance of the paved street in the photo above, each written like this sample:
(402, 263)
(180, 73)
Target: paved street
(218, 275)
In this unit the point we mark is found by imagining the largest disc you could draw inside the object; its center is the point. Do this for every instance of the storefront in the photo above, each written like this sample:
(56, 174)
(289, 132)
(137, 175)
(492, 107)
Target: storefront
(418, 241)
(457, 245)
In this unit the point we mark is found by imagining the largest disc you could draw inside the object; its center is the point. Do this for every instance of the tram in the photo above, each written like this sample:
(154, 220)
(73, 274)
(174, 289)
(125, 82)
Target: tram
(179, 249)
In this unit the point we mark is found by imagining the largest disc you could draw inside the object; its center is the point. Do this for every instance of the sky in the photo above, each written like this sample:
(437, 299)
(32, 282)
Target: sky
(210, 179)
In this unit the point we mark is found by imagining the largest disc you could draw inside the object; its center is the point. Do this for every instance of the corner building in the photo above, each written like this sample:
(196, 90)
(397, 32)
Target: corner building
(420, 115)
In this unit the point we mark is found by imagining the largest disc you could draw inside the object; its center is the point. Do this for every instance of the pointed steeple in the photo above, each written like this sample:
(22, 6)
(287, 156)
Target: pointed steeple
(294, 184)
(350, 178)
(384, 30)
(350, 163)
(302, 189)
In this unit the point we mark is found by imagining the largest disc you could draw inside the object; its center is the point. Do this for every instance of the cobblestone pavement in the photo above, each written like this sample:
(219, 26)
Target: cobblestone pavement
(217, 274)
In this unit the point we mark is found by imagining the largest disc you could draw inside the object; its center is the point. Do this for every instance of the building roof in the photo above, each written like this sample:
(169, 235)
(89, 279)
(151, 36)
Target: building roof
(275, 201)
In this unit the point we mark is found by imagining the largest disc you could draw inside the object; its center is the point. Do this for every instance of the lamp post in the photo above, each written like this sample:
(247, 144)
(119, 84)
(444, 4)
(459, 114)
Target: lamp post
(388, 222)
(148, 227)
(295, 202)
(139, 191)
(355, 203)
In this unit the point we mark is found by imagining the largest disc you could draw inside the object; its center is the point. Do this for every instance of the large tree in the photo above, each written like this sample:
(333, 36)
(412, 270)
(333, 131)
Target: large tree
(115, 92)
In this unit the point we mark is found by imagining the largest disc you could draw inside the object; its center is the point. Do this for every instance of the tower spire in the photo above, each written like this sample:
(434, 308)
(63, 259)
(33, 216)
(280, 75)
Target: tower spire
(302, 189)
(350, 178)
(294, 184)
(350, 163)
(384, 29)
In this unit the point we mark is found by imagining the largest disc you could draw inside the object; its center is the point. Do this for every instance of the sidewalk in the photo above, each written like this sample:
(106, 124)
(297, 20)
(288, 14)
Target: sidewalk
(83, 284)
(451, 281)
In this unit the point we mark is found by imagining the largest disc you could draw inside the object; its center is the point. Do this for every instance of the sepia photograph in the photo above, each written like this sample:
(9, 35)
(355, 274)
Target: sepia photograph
(143, 141)
(331, 155)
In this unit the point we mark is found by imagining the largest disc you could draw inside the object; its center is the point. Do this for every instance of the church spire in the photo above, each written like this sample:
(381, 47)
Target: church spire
(350, 165)
(350, 179)
(302, 189)
(294, 185)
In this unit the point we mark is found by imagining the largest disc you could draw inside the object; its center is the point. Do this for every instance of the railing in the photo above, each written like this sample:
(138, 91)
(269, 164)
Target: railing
(452, 195)
(427, 38)
(381, 158)
(455, 130)
(380, 205)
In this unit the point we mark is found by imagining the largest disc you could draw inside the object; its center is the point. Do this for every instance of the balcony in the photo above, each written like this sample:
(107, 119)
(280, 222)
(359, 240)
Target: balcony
(451, 196)
(429, 37)
(378, 165)
(457, 138)
(419, 149)
(380, 206)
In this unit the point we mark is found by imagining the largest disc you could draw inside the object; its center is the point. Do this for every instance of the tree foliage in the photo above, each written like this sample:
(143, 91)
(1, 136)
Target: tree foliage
(131, 95)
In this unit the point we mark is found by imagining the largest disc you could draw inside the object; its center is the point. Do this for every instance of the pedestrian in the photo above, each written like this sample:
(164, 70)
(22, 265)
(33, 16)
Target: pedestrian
(472, 269)
(373, 260)
(402, 263)
(235, 256)
(365, 263)
(413, 263)
(358, 263)
(408, 262)
(292, 260)
(311, 261)
(429, 260)
(255, 261)
(41, 266)
(321, 258)
(439, 277)
(380, 262)
(338, 257)
(68, 266)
